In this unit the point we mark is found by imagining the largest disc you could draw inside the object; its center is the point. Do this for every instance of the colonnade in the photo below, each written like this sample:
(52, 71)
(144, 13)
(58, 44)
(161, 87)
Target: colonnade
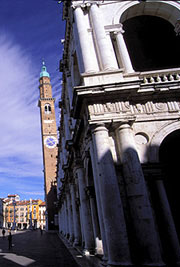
(93, 216)
(101, 55)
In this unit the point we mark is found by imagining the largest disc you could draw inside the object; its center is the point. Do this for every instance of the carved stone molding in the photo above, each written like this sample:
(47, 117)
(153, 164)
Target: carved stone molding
(125, 107)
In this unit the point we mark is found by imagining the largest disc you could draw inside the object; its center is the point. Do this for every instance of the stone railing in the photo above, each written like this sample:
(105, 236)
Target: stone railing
(160, 76)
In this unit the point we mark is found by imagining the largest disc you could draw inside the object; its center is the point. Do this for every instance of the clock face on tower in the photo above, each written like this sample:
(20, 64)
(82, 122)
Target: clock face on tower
(50, 141)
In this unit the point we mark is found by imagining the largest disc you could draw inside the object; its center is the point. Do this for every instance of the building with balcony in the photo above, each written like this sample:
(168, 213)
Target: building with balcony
(23, 214)
(42, 215)
(1, 213)
(119, 135)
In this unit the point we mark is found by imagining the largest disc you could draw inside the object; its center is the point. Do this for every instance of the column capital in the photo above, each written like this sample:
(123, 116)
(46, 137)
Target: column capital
(81, 5)
(90, 191)
(98, 127)
(78, 163)
(119, 29)
(125, 125)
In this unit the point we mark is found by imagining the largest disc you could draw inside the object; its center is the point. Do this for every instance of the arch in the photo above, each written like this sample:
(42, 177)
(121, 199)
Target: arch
(152, 43)
(158, 138)
(169, 11)
(169, 160)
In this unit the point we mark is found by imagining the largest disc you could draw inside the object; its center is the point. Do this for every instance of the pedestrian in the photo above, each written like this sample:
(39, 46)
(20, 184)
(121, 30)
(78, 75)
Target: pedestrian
(41, 230)
(10, 240)
(3, 232)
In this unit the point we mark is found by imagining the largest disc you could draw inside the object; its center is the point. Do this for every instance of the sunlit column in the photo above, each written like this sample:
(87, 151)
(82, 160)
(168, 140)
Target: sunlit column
(98, 200)
(89, 59)
(112, 210)
(140, 208)
(107, 56)
(124, 55)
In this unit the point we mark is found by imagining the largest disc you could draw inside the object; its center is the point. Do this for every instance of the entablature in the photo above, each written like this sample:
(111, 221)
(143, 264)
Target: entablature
(156, 86)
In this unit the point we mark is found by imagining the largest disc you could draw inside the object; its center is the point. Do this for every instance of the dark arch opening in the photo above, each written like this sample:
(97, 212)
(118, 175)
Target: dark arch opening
(169, 158)
(152, 43)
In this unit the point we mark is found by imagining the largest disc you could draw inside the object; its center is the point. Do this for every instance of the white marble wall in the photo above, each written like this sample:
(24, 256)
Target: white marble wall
(118, 137)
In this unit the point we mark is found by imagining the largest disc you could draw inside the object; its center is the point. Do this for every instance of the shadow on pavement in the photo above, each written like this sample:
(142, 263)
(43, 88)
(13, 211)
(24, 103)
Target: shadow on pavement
(30, 248)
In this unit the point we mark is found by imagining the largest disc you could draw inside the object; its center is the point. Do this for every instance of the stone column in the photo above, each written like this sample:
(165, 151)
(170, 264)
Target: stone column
(89, 60)
(70, 217)
(76, 220)
(63, 226)
(60, 220)
(126, 61)
(85, 212)
(112, 210)
(96, 230)
(66, 218)
(98, 199)
(168, 223)
(107, 56)
(141, 213)
(69, 88)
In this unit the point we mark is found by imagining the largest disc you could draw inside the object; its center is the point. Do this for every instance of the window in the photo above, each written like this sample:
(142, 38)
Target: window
(47, 108)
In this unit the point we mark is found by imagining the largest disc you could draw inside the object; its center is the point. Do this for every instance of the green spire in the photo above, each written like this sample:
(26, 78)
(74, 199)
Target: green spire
(44, 72)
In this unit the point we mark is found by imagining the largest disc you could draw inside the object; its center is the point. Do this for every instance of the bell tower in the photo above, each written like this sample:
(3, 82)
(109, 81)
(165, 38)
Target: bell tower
(49, 144)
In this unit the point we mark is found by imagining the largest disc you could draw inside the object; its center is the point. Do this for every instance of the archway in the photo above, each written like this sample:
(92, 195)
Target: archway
(151, 42)
(168, 156)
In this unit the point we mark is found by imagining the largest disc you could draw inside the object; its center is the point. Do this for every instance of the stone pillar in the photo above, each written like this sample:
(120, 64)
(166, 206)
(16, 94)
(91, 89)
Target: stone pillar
(107, 56)
(76, 220)
(85, 212)
(70, 217)
(63, 226)
(60, 220)
(141, 213)
(66, 125)
(66, 218)
(168, 223)
(96, 230)
(69, 88)
(98, 200)
(112, 210)
(126, 61)
(89, 60)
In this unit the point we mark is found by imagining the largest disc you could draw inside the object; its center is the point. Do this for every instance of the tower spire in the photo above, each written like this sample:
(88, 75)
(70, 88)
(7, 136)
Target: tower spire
(44, 72)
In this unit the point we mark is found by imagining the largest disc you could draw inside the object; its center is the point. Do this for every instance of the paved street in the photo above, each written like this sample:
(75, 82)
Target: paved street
(30, 248)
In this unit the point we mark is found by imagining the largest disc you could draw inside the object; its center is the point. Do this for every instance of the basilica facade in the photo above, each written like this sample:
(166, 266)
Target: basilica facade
(119, 135)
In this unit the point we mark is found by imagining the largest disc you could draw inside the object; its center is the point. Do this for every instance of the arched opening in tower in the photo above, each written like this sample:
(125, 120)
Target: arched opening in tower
(169, 158)
(152, 43)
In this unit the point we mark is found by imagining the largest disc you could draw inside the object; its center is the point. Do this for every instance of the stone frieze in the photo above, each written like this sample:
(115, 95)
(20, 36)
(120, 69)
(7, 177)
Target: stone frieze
(125, 107)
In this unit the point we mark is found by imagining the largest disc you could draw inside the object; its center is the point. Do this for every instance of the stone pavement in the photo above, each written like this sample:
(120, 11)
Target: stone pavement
(30, 248)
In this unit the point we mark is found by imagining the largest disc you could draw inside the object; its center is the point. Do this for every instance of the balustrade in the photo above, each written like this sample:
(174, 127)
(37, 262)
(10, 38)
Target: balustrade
(157, 77)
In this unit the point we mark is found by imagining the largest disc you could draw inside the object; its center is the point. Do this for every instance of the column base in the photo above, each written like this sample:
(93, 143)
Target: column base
(120, 264)
(88, 252)
(154, 264)
(176, 264)
(76, 243)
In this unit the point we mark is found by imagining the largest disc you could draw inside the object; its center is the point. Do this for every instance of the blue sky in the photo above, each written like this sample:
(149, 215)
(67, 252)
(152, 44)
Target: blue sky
(29, 32)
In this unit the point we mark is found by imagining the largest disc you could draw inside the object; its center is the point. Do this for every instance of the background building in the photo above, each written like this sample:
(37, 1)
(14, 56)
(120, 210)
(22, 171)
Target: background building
(23, 214)
(119, 135)
(42, 215)
(1, 213)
